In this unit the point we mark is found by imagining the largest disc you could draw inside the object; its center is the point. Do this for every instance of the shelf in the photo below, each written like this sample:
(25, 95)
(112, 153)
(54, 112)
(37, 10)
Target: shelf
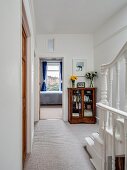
(77, 102)
(88, 94)
(82, 105)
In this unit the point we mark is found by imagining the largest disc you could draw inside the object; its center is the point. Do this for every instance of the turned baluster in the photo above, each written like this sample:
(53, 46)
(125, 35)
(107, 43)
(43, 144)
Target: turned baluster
(104, 72)
(101, 118)
(110, 95)
(104, 82)
(118, 85)
(113, 140)
(104, 148)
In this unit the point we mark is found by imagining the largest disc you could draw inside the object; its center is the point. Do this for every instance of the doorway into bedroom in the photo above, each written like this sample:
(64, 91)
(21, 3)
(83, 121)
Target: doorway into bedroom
(51, 88)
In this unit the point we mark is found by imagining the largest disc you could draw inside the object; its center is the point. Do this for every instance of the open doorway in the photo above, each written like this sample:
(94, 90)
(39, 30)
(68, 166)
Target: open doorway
(51, 74)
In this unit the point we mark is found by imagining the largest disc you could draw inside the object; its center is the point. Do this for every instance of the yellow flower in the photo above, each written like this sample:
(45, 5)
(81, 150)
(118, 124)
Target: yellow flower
(73, 78)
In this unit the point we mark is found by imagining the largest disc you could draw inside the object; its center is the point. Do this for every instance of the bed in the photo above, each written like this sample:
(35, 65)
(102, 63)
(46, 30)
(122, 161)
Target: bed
(50, 97)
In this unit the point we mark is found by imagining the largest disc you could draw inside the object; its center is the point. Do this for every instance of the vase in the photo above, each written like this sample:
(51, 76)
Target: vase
(73, 83)
(91, 83)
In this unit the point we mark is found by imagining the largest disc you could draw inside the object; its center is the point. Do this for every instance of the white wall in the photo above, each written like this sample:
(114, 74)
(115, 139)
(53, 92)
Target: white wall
(11, 84)
(109, 40)
(67, 46)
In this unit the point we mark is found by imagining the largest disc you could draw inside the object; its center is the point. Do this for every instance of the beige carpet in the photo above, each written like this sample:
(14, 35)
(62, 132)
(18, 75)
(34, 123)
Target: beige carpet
(57, 146)
(51, 112)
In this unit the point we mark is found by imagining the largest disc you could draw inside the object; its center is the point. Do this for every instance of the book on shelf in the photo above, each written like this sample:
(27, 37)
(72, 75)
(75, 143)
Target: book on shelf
(79, 105)
(74, 98)
(75, 114)
(88, 113)
(86, 98)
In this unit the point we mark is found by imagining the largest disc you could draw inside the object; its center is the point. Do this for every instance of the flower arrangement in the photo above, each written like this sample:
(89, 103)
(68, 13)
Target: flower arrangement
(91, 75)
(73, 78)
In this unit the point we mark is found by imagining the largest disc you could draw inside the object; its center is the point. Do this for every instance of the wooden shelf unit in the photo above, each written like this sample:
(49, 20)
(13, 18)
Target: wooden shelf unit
(82, 105)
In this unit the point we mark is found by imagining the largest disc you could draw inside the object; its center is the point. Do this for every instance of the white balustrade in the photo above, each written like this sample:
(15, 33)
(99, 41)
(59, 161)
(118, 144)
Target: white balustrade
(108, 116)
(115, 112)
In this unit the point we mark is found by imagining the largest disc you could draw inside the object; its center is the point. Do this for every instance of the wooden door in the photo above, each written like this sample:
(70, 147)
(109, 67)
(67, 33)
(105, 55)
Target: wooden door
(24, 80)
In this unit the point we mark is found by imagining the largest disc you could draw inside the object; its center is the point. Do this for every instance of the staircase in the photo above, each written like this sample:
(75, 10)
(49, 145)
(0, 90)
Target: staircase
(108, 148)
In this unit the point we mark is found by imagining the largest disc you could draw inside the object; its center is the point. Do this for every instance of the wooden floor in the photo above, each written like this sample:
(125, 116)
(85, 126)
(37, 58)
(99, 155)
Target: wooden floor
(51, 112)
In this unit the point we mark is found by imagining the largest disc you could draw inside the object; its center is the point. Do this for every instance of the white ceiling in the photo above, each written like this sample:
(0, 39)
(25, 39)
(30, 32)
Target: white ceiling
(73, 16)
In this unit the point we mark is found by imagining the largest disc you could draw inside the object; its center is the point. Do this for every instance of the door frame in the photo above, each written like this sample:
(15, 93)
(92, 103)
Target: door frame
(24, 90)
(28, 74)
(38, 72)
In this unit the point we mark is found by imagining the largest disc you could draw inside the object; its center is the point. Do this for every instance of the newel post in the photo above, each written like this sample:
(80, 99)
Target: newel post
(110, 85)
(104, 73)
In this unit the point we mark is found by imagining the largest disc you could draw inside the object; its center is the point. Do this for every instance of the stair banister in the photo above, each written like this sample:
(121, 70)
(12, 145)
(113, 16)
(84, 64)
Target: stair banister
(112, 121)
(123, 114)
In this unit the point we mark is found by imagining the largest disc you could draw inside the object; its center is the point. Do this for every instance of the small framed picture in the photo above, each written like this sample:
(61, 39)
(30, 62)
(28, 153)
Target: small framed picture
(79, 67)
(81, 84)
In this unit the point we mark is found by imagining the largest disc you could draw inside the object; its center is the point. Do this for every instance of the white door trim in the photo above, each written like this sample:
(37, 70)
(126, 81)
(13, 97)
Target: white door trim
(37, 90)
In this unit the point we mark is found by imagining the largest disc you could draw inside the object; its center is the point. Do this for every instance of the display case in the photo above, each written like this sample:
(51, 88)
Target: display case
(82, 105)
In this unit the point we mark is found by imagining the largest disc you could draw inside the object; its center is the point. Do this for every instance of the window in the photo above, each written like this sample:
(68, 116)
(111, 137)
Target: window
(53, 76)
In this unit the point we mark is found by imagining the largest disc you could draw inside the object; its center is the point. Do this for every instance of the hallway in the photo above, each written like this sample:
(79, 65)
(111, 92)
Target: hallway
(59, 146)
(51, 112)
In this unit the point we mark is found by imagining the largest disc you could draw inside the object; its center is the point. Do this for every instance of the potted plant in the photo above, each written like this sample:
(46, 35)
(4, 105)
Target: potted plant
(73, 78)
(91, 76)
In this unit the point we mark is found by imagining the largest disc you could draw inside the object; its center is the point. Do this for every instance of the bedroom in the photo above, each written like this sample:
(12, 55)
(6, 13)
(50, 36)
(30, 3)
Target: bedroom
(50, 88)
